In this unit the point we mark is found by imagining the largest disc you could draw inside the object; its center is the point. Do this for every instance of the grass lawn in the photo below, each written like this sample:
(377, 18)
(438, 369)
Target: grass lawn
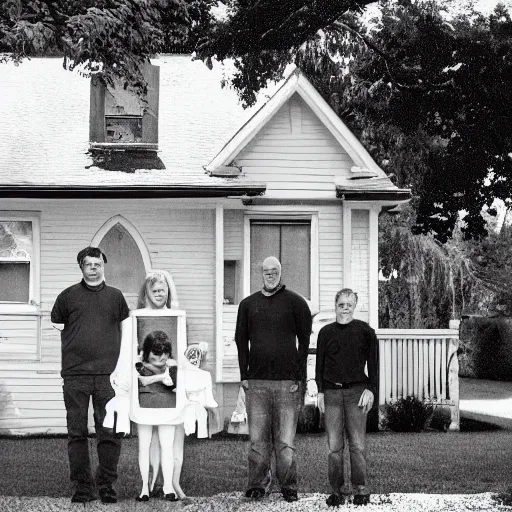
(430, 462)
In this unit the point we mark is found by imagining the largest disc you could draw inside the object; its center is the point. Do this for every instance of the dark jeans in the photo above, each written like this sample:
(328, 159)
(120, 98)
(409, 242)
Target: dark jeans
(343, 415)
(78, 390)
(272, 411)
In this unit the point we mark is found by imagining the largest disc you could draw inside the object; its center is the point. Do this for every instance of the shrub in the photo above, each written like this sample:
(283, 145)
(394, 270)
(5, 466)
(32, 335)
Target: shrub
(407, 414)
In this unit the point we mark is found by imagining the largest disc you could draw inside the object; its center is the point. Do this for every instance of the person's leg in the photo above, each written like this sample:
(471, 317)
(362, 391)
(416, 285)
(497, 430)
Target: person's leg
(334, 422)
(285, 413)
(179, 445)
(77, 392)
(166, 437)
(144, 433)
(356, 433)
(154, 461)
(259, 420)
(108, 443)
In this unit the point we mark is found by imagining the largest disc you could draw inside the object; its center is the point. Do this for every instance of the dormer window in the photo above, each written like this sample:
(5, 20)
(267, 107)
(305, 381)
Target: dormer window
(119, 119)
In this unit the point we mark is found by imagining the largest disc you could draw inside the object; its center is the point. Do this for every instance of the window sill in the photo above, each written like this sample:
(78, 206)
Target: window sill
(123, 146)
(19, 309)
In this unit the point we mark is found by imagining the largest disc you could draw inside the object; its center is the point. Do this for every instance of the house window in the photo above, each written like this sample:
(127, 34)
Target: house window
(290, 242)
(123, 129)
(119, 117)
(16, 261)
(231, 280)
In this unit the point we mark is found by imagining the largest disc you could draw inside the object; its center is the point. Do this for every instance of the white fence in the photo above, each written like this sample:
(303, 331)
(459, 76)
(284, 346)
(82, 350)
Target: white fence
(420, 363)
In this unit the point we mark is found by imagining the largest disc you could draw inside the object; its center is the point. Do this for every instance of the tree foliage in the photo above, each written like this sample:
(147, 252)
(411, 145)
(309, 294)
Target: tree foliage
(432, 101)
(113, 37)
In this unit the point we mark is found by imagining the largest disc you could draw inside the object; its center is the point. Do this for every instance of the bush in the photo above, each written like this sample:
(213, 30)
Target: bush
(407, 415)
(486, 348)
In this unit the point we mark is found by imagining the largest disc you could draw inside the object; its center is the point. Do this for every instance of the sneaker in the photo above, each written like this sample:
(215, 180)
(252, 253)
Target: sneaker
(83, 495)
(289, 495)
(255, 493)
(361, 499)
(107, 494)
(334, 500)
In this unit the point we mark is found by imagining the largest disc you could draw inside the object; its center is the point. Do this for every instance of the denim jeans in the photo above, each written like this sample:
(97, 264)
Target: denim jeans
(272, 411)
(343, 416)
(78, 389)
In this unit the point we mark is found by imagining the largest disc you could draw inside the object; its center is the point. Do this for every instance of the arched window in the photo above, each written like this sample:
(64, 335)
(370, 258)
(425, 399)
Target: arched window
(126, 267)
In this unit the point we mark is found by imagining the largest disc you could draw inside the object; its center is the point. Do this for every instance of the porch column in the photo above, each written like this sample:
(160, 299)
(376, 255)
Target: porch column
(373, 267)
(347, 246)
(219, 290)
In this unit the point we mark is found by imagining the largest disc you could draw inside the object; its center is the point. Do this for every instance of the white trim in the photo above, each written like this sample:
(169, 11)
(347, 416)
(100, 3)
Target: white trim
(298, 83)
(119, 219)
(347, 245)
(34, 294)
(287, 214)
(373, 267)
(219, 291)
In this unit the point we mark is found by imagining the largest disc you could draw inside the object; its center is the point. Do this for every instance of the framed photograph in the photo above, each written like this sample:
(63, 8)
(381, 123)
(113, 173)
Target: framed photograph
(162, 402)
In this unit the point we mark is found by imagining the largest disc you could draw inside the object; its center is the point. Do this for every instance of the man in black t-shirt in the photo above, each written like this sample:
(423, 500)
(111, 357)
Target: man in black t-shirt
(272, 337)
(346, 393)
(94, 316)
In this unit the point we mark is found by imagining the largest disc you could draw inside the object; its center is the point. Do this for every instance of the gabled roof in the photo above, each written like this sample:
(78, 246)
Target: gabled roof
(298, 83)
(44, 134)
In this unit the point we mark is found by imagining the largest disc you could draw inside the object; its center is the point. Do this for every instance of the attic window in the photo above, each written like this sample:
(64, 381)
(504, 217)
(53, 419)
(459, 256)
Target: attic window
(120, 129)
(120, 118)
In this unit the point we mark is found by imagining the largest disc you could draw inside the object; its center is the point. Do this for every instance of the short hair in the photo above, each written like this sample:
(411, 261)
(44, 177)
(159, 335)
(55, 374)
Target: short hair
(157, 342)
(347, 292)
(152, 278)
(92, 252)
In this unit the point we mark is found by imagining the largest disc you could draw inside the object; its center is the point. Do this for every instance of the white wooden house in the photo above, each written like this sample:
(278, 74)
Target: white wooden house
(193, 184)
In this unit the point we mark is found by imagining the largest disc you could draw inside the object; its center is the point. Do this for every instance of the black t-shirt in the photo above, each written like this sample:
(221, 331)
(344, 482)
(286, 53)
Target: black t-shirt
(91, 337)
(342, 352)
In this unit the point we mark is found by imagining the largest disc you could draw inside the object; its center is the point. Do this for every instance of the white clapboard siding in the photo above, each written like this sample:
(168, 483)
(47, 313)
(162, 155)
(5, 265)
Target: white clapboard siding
(233, 234)
(19, 337)
(420, 363)
(230, 368)
(295, 154)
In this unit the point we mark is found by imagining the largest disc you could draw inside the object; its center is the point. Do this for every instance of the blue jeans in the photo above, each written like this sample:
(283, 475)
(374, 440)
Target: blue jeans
(272, 411)
(342, 415)
(78, 389)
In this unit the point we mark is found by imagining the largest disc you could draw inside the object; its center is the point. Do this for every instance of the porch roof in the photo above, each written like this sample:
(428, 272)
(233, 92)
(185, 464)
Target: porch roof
(371, 188)
(44, 135)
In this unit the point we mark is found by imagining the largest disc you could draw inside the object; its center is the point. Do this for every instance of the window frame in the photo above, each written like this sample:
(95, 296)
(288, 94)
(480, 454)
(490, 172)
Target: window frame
(34, 299)
(284, 216)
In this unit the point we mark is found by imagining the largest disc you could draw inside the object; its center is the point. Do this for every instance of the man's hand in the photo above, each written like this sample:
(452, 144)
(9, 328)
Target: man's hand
(366, 400)
(245, 384)
(321, 403)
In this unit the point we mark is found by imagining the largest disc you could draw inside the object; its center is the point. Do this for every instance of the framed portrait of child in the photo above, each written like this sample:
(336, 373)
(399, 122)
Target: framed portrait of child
(158, 349)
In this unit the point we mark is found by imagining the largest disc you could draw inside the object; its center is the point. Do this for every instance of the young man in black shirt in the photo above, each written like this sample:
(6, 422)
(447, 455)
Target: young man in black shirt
(94, 316)
(346, 393)
(272, 337)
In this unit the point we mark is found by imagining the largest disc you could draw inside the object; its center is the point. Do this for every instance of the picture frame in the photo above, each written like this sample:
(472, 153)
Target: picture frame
(173, 323)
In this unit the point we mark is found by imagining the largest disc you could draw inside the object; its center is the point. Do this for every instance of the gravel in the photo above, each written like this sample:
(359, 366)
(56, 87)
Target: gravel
(236, 502)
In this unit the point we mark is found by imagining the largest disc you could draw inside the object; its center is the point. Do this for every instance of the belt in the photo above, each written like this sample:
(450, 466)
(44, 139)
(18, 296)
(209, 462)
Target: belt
(342, 385)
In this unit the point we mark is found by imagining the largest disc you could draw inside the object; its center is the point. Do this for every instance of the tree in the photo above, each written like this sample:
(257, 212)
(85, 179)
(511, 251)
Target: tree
(113, 37)
(431, 98)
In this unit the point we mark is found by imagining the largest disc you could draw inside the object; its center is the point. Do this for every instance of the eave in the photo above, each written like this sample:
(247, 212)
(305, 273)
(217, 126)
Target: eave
(128, 192)
(399, 195)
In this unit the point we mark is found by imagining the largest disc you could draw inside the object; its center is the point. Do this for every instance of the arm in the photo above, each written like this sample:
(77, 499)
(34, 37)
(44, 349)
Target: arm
(373, 361)
(319, 369)
(304, 322)
(59, 313)
(242, 340)
(121, 376)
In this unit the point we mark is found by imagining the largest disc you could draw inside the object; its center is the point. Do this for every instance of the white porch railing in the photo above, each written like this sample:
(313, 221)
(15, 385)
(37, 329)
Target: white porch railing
(420, 363)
